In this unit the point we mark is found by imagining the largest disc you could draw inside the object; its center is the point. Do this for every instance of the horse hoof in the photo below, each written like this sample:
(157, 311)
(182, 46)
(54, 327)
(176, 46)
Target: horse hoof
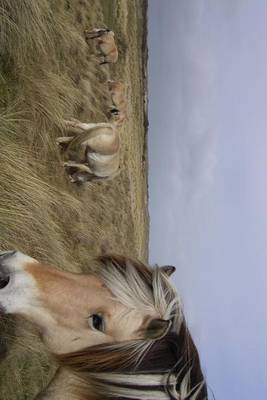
(72, 180)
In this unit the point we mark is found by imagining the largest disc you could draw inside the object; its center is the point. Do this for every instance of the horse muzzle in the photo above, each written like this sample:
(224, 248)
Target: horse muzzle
(4, 270)
(16, 285)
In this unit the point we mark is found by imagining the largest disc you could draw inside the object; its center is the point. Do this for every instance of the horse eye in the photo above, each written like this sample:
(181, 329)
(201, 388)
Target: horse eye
(96, 322)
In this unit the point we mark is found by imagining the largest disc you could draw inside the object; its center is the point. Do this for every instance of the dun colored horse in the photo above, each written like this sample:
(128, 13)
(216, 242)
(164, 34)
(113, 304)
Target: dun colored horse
(105, 43)
(93, 150)
(117, 90)
(117, 332)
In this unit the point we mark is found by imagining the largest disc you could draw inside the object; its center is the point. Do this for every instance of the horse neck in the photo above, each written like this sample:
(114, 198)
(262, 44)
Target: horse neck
(60, 388)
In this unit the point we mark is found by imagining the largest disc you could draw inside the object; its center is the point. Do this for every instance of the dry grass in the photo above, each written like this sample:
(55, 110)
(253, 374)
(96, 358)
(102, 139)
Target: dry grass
(47, 73)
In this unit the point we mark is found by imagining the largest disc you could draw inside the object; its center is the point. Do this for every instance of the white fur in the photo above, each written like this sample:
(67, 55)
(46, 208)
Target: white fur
(20, 296)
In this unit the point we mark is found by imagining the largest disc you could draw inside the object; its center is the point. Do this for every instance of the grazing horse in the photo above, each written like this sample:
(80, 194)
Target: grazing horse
(117, 332)
(117, 90)
(93, 150)
(105, 43)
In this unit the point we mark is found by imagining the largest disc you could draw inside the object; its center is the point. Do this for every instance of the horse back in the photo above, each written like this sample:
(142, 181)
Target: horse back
(105, 142)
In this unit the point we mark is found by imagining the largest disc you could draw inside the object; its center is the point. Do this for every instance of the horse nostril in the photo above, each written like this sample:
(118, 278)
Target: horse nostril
(6, 254)
(4, 281)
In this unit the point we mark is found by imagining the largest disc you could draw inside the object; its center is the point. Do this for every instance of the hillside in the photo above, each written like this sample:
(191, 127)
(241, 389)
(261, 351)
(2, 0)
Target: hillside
(49, 73)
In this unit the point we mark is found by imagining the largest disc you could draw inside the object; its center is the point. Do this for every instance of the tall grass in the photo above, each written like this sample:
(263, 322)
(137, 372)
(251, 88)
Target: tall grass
(43, 60)
(48, 73)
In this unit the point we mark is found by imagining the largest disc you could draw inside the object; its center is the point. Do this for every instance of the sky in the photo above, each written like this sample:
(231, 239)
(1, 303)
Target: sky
(208, 179)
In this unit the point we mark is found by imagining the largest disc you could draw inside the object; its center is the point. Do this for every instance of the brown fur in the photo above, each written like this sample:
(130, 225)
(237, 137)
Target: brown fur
(117, 91)
(176, 352)
(105, 44)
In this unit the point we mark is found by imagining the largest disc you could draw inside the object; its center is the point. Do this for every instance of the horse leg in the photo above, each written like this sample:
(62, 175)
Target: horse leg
(72, 126)
(114, 111)
(91, 34)
(95, 33)
(80, 177)
(64, 140)
(80, 167)
(104, 61)
(85, 126)
(82, 172)
(72, 120)
(89, 126)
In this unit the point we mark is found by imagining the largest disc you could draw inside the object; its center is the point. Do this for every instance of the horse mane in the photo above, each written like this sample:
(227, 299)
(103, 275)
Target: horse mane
(167, 368)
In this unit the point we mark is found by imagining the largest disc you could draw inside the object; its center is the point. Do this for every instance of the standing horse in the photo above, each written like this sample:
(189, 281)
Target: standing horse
(105, 43)
(117, 332)
(93, 150)
(117, 90)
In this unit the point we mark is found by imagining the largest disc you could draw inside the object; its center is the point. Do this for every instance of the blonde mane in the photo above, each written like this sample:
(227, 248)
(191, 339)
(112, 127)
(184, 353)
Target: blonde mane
(164, 368)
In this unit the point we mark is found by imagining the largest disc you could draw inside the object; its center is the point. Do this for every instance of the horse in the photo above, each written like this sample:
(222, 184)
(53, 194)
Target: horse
(117, 90)
(117, 332)
(105, 43)
(93, 150)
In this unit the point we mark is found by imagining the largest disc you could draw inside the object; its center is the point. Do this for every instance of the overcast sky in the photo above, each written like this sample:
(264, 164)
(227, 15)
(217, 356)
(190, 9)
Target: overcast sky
(208, 179)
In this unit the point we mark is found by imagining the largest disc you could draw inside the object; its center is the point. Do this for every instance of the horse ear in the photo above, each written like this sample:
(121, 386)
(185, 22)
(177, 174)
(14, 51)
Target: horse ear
(168, 269)
(157, 328)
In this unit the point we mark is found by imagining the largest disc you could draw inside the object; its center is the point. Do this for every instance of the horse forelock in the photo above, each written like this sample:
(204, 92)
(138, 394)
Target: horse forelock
(167, 368)
(139, 286)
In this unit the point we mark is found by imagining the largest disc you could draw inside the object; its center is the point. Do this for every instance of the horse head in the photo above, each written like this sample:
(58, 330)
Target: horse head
(123, 318)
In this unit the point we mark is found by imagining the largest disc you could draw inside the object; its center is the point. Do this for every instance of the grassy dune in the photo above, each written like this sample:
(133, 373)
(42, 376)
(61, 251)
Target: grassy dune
(48, 73)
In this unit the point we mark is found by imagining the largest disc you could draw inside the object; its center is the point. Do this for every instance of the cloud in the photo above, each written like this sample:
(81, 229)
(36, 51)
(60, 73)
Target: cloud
(183, 131)
(182, 85)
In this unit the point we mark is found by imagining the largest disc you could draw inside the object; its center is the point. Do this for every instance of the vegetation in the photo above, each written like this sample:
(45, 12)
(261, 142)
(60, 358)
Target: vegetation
(48, 73)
